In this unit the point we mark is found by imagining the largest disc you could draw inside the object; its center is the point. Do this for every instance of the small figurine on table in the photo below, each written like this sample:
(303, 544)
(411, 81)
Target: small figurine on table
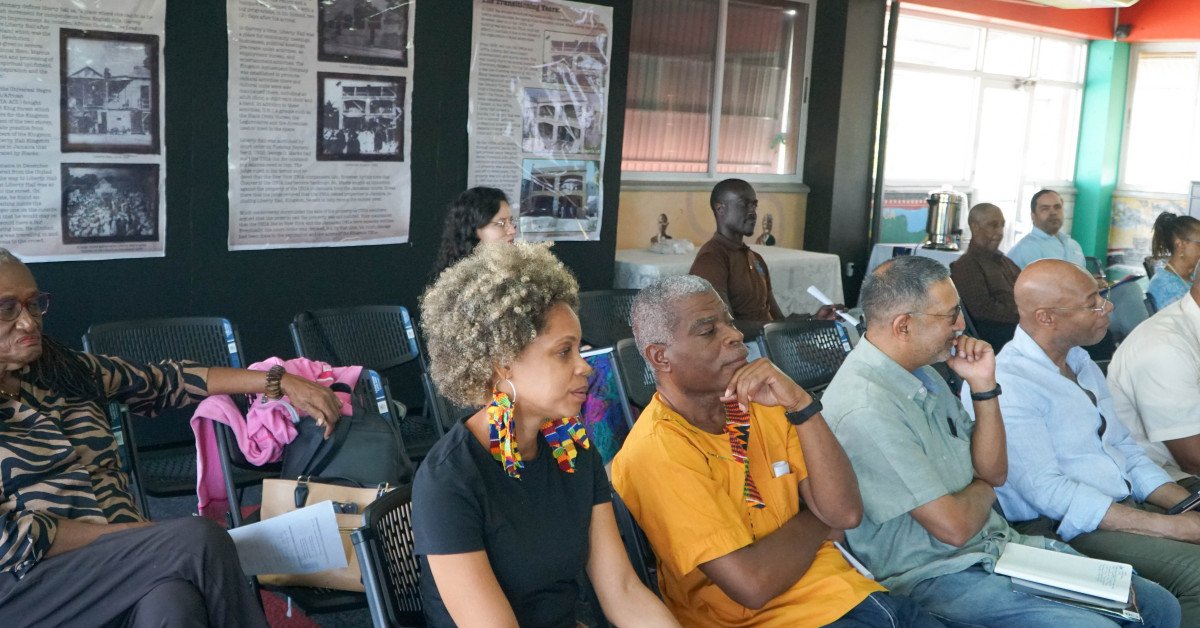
(766, 237)
(663, 223)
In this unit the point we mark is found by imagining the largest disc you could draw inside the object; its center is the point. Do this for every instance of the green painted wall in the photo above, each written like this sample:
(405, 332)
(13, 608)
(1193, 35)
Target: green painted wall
(1100, 125)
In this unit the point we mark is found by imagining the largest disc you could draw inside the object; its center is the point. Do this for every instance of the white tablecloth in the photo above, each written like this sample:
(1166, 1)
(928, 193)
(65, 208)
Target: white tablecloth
(792, 272)
(884, 252)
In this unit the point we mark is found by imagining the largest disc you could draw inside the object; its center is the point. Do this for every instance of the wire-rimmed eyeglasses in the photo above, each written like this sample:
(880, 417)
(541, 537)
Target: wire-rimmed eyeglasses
(1099, 309)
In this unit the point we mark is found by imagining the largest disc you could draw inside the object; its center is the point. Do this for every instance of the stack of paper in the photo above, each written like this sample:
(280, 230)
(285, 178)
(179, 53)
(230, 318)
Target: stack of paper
(1099, 585)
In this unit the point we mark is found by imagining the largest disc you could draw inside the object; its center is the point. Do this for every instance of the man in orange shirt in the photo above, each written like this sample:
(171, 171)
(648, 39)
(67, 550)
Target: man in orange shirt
(737, 481)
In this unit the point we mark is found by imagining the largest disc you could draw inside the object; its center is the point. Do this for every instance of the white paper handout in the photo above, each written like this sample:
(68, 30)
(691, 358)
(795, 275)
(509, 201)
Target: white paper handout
(302, 541)
(1090, 576)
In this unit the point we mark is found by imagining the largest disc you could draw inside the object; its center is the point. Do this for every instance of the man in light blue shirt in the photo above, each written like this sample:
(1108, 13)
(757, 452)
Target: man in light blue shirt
(1047, 241)
(1073, 468)
(926, 471)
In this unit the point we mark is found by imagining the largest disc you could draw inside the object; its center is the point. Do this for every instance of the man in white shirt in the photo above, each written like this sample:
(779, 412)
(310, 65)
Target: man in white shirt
(1155, 382)
(1047, 241)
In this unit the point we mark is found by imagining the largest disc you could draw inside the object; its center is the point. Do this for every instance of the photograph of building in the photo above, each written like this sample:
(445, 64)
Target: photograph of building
(361, 117)
(561, 121)
(371, 32)
(110, 92)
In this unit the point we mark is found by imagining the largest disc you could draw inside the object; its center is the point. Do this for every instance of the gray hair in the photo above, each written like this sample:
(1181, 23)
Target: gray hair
(899, 285)
(654, 316)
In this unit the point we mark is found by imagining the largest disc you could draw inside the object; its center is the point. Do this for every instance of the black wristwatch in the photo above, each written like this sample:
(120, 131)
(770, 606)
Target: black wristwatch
(803, 414)
(990, 394)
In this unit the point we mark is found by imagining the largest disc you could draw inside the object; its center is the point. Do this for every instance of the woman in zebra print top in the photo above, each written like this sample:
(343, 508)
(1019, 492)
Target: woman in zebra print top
(73, 547)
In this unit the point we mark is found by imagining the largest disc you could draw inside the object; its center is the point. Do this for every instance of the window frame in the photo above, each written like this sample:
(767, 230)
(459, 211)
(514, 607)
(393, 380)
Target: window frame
(647, 179)
(1135, 53)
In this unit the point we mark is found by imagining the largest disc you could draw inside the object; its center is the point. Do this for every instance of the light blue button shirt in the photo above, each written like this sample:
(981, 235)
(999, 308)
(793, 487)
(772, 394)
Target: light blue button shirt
(1058, 466)
(1167, 287)
(1041, 245)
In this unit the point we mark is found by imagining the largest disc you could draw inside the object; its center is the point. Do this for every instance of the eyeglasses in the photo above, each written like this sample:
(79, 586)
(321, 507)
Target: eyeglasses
(1100, 309)
(953, 316)
(505, 224)
(38, 305)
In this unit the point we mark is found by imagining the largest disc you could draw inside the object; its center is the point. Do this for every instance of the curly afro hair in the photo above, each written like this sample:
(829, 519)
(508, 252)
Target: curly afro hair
(485, 310)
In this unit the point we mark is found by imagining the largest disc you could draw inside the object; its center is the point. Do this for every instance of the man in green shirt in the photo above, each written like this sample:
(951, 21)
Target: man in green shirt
(926, 471)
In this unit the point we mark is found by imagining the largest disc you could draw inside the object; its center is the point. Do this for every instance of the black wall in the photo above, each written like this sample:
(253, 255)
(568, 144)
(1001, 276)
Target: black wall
(842, 110)
(260, 291)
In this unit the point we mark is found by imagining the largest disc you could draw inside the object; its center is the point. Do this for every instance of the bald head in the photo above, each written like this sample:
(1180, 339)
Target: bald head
(1051, 283)
(983, 212)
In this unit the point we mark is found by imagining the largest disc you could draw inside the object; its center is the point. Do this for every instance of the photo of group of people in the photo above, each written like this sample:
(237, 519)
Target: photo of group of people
(109, 203)
(360, 117)
(109, 87)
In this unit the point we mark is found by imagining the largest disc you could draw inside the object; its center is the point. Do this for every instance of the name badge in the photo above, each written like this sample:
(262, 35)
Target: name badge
(781, 468)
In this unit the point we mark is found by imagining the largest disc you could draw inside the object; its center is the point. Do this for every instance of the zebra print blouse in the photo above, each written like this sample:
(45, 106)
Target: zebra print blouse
(58, 457)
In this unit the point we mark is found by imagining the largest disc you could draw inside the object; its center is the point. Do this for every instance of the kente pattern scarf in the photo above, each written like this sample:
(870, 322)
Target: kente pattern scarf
(561, 435)
(737, 425)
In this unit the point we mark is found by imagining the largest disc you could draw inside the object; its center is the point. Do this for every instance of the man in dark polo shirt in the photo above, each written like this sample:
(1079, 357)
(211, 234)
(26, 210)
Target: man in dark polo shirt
(738, 274)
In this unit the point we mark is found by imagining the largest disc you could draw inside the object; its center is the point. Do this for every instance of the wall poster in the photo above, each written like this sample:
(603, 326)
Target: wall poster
(82, 157)
(539, 111)
(319, 99)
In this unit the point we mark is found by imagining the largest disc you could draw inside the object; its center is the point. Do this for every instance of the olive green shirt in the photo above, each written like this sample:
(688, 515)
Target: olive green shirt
(909, 440)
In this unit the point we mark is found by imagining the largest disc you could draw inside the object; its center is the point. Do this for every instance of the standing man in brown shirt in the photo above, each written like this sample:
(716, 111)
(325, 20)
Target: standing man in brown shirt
(985, 277)
(738, 274)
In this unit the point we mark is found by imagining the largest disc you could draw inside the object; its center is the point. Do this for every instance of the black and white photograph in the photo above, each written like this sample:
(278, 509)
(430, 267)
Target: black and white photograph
(559, 189)
(371, 32)
(575, 60)
(109, 87)
(557, 121)
(109, 203)
(360, 117)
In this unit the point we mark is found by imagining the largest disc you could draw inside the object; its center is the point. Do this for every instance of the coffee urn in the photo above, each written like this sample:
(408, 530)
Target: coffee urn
(942, 229)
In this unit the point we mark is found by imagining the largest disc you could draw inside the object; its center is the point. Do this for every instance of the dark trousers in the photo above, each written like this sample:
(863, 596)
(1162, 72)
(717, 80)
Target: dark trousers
(886, 609)
(181, 572)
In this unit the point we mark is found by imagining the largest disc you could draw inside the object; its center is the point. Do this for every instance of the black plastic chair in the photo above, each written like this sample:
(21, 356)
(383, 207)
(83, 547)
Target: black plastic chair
(636, 375)
(1150, 263)
(1151, 304)
(809, 352)
(378, 337)
(641, 555)
(604, 316)
(391, 572)
(166, 465)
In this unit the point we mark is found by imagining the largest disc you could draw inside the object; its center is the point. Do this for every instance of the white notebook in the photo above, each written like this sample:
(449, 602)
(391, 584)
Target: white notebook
(1101, 578)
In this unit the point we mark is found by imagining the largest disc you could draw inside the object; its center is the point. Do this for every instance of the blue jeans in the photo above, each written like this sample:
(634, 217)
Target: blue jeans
(973, 598)
(886, 610)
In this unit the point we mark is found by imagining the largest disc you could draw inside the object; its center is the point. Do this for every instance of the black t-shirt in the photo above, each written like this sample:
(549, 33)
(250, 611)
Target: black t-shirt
(534, 530)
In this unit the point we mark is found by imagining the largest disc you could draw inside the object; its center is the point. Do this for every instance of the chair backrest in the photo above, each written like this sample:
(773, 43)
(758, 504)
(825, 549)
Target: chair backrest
(1093, 265)
(810, 352)
(379, 337)
(1151, 304)
(605, 412)
(209, 341)
(604, 316)
(1129, 308)
(969, 324)
(641, 555)
(636, 375)
(391, 572)
(1150, 263)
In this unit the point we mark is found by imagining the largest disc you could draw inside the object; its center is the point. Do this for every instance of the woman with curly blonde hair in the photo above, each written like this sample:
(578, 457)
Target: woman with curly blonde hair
(513, 501)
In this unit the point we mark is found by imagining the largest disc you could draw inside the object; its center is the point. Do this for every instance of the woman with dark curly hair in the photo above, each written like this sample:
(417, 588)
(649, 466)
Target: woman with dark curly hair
(1176, 238)
(513, 501)
(478, 215)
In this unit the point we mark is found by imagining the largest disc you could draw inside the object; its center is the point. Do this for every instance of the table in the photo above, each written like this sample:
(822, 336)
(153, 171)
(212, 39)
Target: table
(792, 272)
(883, 252)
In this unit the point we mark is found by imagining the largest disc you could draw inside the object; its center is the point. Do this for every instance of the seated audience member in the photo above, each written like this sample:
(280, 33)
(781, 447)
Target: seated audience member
(1074, 469)
(513, 502)
(985, 277)
(1047, 241)
(737, 273)
(478, 215)
(74, 550)
(1176, 238)
(1155, 382)
(927, 471)
(737, 481)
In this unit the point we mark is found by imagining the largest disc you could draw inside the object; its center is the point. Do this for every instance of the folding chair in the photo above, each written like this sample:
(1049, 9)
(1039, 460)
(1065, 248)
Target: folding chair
(391, 573)
(378, 337)
(1150, 263)
(1129, 308)
(604, 316)
(1151, 304)
(641, 555)
(809, 352)
(636, 376)
(165, 465)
